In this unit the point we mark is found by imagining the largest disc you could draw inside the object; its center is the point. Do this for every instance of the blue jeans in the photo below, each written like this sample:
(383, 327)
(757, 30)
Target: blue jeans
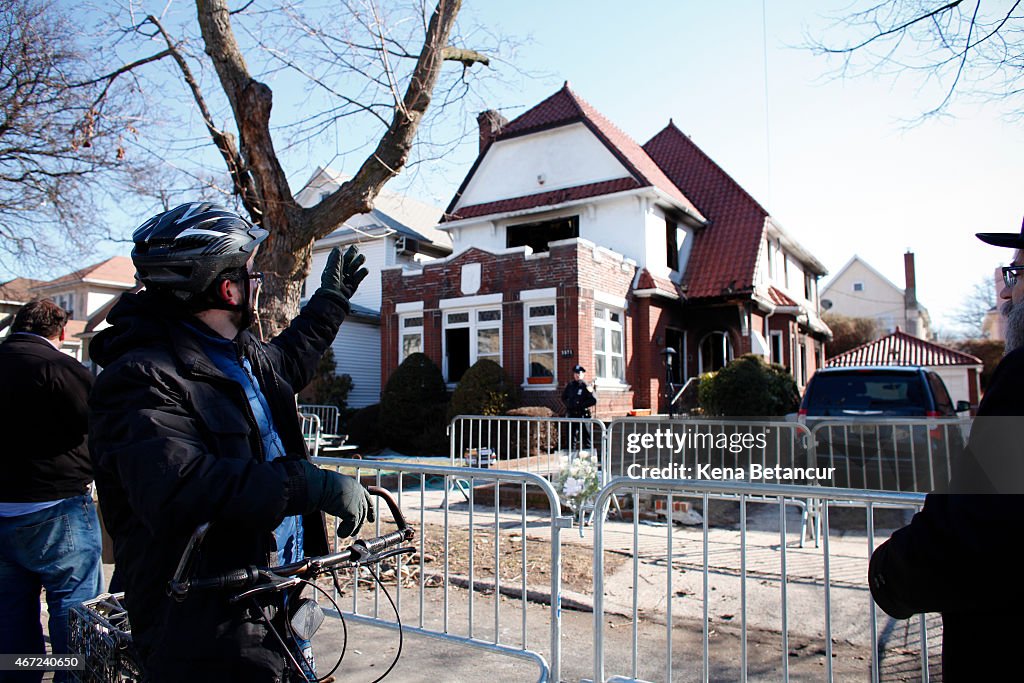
(56, 549)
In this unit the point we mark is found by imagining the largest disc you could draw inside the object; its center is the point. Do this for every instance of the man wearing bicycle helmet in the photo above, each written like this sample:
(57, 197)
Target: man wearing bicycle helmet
(193, 420)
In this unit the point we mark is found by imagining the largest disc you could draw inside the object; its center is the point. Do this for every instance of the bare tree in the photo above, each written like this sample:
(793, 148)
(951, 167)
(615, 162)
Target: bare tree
(381, 66)
(848, 332)
(59, 144)
(970, 314)
(969, 48)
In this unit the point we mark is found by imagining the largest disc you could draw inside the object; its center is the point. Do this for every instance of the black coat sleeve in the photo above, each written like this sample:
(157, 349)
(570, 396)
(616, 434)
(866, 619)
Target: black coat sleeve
(296, 352)
(142, 434)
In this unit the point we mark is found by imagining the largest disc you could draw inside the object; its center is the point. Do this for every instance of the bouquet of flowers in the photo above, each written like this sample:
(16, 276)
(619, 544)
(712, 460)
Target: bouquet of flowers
(578, 480)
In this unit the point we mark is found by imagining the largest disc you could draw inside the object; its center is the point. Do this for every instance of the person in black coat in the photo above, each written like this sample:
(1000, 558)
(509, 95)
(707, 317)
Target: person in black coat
(49, 530)
(193, 420)
(578, 401)
(955, 555)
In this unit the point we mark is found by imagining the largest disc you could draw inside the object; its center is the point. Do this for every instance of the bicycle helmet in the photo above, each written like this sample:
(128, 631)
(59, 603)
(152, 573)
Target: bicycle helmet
(185, 249)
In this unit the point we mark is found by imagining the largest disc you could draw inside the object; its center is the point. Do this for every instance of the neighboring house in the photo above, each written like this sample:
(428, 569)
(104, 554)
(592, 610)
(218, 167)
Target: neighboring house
(961, 372)
(574, 244)
(397, 231)
(84, 294)
(859, 291)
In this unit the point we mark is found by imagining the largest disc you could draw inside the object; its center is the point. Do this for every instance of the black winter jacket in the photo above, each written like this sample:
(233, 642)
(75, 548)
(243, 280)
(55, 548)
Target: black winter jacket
(955, 555)
(43, 413)
(175, 444)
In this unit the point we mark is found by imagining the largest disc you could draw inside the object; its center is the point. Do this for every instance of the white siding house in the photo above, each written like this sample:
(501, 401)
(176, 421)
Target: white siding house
(397, 231)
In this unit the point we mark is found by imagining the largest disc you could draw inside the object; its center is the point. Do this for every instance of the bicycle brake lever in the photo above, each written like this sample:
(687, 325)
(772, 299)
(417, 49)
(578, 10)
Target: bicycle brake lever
(275, 583)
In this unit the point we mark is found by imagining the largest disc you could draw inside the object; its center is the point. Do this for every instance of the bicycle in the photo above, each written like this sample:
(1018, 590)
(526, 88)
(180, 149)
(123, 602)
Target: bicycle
(275, 593)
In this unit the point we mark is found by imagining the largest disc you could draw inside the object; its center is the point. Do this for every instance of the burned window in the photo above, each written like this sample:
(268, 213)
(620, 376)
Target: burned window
(538, 235)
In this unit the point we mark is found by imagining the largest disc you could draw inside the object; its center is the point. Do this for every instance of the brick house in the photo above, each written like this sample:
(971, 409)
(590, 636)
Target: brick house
(574, 244)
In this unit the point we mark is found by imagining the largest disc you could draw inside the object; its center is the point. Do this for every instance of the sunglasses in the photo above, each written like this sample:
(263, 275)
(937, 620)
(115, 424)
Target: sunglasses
(1010, 276)
(256, 279)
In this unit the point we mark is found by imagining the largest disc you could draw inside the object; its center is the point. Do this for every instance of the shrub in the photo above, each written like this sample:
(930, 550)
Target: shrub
(749, 387)
(412, 408)
(361, 427)
(485, 389)
(990, 351)
(326, 387)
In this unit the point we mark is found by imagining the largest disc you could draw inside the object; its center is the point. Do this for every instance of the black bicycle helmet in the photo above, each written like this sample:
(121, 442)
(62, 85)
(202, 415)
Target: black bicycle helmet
(184, 250)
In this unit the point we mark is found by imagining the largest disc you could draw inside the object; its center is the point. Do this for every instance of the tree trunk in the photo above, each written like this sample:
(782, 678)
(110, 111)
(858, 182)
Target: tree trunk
(285, 256)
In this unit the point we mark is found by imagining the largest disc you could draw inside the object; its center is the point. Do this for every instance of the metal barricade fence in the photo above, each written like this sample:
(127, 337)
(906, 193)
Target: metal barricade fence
(329, 415)
(889, 454)
(470, 544)
(809, 613)
(532, 444)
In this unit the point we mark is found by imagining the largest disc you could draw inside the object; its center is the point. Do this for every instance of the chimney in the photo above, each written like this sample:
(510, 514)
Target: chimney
(490, 123)
(910, 294)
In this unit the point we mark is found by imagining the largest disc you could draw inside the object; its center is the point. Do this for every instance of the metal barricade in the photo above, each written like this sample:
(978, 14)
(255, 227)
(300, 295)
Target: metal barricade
(889, 454)
(540, 445)
(310, 425)
(716, 588)
(455, 533)
(330, 416)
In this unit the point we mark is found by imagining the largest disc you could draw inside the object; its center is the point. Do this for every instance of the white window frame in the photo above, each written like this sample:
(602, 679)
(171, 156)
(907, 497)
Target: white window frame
(605, 326)
(474, 324)
(408, 331)
(529, 322)
(858, 286)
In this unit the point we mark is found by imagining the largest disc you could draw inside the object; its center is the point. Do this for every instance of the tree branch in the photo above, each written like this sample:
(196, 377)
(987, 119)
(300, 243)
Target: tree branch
(894, 30)
(467, 57)
(393, 149)
(224, 141)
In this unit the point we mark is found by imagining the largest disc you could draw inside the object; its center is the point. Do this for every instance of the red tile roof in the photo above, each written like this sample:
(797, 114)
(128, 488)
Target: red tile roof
(724, 254)
(899, 348)
(566, 107)
(18, 289)
(118, 269)
(531, 201)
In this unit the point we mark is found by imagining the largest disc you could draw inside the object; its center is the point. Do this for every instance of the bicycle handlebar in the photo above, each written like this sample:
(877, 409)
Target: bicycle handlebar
(361, 551)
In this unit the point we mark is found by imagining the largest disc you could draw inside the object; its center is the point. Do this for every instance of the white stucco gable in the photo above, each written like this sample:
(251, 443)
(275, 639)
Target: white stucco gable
(548, 160)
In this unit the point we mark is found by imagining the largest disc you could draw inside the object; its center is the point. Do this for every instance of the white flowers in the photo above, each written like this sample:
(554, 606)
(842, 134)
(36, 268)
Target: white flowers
(578, 480)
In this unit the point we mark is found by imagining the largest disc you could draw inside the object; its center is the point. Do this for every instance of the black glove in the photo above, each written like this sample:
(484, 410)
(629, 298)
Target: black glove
(338, 495)
(342, 275)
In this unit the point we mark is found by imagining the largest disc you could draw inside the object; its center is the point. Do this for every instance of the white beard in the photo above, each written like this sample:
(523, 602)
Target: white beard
(1014, 326)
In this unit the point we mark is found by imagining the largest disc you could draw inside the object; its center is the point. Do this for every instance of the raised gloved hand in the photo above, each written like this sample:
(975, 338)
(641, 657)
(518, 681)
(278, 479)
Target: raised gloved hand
(342, 274)
(338, 495)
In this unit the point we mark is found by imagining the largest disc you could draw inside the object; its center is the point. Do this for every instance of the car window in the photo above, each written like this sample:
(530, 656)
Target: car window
(943, 404)
(875, 392)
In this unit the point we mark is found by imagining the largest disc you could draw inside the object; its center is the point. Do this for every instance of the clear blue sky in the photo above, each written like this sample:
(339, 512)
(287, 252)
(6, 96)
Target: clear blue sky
(832, 160)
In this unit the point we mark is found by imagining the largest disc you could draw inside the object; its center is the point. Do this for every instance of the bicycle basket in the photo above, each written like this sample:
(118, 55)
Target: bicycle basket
(98, 629)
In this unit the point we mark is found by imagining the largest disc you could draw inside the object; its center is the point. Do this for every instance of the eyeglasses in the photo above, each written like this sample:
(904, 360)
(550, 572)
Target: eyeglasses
(256, 279)
(1010, 276)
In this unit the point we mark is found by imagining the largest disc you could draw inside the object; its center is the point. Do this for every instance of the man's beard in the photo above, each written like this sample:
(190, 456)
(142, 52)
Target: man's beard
(1014, 325)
